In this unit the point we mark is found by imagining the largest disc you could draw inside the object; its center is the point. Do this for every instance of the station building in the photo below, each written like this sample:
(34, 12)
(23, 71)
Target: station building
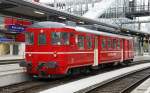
(12, 38)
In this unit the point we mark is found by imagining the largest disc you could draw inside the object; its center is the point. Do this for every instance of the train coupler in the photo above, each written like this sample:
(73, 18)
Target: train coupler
(51, 65)
(24, 64)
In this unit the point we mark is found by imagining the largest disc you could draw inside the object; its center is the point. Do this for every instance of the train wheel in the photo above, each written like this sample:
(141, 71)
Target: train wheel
(95, 67)
(85, 70)
(131, 60)
(69, 72)
(127, 62)
(110, 64)
(73, 71)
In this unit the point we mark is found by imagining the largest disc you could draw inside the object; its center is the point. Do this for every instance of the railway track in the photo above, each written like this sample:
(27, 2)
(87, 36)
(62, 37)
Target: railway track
(36, 85)
(124, 84)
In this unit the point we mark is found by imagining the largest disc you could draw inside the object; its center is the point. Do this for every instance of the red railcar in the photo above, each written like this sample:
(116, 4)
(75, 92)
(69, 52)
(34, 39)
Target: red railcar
(54, 48)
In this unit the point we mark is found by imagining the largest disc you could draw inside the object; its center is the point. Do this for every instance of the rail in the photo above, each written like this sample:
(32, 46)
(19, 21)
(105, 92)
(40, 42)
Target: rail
(123, 84)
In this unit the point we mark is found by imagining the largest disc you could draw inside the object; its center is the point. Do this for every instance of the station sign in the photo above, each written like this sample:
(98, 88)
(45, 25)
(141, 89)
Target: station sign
(3, 39)
(16, 28)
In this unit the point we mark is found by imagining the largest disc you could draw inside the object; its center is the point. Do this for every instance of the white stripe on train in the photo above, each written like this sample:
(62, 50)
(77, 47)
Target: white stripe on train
(73, 52)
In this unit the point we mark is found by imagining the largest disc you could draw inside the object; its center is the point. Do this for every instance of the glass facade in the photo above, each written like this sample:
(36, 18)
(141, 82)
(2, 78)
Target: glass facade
(121, 13)
(115, 14)
(78, 7)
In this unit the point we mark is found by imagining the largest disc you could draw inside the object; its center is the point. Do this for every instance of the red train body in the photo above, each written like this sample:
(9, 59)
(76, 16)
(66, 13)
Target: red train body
(54, 48)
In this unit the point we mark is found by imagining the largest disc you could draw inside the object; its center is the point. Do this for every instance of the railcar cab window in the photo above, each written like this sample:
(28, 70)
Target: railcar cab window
(80, 42)
(103, 43)
(109, 43)
(42, 39)
(119, 43)
(29, 38)
(89, 42)
(60, 38)
(114, 43)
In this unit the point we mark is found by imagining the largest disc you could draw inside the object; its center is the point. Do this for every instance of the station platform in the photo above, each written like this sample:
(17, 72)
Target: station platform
(11, 57)
(144, 57)
(12, 73)
(86, 84)
(143, 88)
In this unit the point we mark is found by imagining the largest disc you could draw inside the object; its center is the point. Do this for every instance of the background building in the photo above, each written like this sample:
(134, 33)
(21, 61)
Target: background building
(121, 13)
(11, 35)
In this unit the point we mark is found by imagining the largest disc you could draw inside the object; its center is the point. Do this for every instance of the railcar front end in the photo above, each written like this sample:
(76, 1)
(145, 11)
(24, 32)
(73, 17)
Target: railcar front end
(45, 52)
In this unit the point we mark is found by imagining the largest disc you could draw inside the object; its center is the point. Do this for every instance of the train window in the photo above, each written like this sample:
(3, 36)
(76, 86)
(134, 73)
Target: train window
(130, 44)
(103, 43)
(89, 42)
(42, 39)
(114, 43)
(81, 42)
(29, 38)
(60, 38)
(109, 43)
(118, 44)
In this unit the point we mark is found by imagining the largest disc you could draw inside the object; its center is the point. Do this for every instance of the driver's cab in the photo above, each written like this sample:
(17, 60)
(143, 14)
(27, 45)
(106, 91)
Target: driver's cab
(45, 36)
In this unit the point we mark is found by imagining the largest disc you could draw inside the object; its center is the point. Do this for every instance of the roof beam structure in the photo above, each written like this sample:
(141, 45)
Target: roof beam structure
(23, 8)
(136, 22)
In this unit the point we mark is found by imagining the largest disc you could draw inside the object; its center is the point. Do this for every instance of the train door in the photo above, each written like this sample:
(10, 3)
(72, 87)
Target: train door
(95, 51)
(122, 49)
(125, 49)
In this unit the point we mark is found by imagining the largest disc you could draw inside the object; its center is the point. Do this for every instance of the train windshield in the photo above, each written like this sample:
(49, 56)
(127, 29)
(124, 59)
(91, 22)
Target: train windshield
(42, 39)
(60, 38)
(29, 38)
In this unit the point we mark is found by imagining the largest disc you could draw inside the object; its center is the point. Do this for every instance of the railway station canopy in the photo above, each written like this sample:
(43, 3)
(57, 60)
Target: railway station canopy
(40, 12)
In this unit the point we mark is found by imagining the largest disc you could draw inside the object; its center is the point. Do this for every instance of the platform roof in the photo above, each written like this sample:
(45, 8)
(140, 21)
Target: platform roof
(40, 12)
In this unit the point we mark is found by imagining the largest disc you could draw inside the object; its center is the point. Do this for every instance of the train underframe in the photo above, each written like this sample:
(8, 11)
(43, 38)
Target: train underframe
(45, 70)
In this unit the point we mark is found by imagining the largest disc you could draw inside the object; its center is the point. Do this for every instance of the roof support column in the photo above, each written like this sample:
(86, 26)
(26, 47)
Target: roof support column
(149, 45)
(47, 17)
(141, 46)
(136, 45)
(139, 26)
(11, 49)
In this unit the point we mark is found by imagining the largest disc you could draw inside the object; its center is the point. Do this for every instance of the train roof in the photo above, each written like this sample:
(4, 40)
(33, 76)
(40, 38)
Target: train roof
(48, 24)
(82, 29)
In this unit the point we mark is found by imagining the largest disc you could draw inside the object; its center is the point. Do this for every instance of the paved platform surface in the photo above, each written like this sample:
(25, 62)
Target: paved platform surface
(10, 57)
(145, 57)
(12, 74)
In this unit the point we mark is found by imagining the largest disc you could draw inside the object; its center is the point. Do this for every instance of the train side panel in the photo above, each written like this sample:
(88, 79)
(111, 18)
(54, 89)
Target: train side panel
(110, 49)
(128, 50)
(82, 48)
